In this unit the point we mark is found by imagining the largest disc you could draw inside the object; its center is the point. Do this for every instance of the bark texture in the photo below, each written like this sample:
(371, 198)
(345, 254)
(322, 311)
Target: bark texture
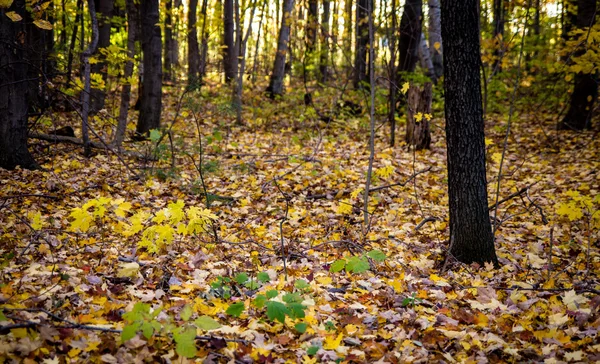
(419, 103)
(435, 37)
(410, 37)
(104, 13)
(193, 48)
(13, 91)
(229, 51)
(324, 56)
(150, 106)
(585, 91)
(362, 40)
(276, 82)
(471, 238)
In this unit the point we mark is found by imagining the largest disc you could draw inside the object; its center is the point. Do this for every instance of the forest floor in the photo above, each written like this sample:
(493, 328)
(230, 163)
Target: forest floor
(83, 243)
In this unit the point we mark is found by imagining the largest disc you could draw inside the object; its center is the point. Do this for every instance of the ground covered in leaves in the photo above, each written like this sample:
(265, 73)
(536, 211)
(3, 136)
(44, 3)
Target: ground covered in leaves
(187, 262)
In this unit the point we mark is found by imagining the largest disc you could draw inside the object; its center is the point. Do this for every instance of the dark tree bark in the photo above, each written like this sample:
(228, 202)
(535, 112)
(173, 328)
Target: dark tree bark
(324, 56)
(392, 74)
(168, 51)
(87, 76)
(362, 40)
(419, 102)
(471, 238)
(585, 91)
(105, 10)
(276, 82)
(133, 25)
(14, 90)
(73, 41)
(229, 51)
(499, 20)
(204, 43)
(410, 37)
(193, 49)
(150, 105)
(312, 24)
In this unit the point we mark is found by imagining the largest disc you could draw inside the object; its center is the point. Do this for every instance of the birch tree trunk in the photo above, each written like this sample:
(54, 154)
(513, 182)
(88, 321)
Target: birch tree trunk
(435, 37)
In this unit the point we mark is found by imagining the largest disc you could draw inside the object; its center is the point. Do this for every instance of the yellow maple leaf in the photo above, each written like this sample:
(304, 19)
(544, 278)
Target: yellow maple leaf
(332, 342)
(384, 172)
(405, 87)
(344, 207)
(14, 16)
(570, 210)
(128, 270)
(35, 220)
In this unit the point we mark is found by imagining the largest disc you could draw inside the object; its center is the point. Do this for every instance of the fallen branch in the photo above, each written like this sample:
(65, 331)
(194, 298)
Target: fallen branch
(374, 189)
(74, 325)
(511, 196)
(76, 141)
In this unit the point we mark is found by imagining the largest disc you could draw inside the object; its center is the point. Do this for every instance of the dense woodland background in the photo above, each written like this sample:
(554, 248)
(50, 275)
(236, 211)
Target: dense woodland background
(226, 181)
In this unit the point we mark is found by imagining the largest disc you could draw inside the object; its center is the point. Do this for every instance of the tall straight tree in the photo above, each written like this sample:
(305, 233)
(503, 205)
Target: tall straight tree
(312, 24)
(13, 89)
(362, 41)
(499, 20)
(105, 10)
(435, 37)
(229, 51)
(276, 82)
(150, 106)
(410, 37)
(168, 63)
(193, 48)
(585, 91)
(324, 55)
(471, 238)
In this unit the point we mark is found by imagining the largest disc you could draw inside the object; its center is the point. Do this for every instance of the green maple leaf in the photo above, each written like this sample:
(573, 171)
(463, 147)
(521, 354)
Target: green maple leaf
(186, 313)
(207, 323)
(186, 344)
(376, 255)
(357, 265)
(337, 266)
(276, 311)
(235, 309)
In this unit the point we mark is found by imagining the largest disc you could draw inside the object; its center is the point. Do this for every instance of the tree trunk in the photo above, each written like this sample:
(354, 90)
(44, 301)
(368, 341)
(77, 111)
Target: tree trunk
(256, 46)
(276, 82)
(229, 51)
(425, 59)
(324, 56)
(133, 24)
(362, 40)
(347, 51)
(499, 20)
(417, 117)
(204, 43)
(13, 90)
(87, 76)
(73, 41)
(312, 24)
(410, 37)
(150, 106)
(105, 9)
(193, 49)
(471, 238)
(435, 37)
(391, 75)
(168, 64)
(585, 92)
